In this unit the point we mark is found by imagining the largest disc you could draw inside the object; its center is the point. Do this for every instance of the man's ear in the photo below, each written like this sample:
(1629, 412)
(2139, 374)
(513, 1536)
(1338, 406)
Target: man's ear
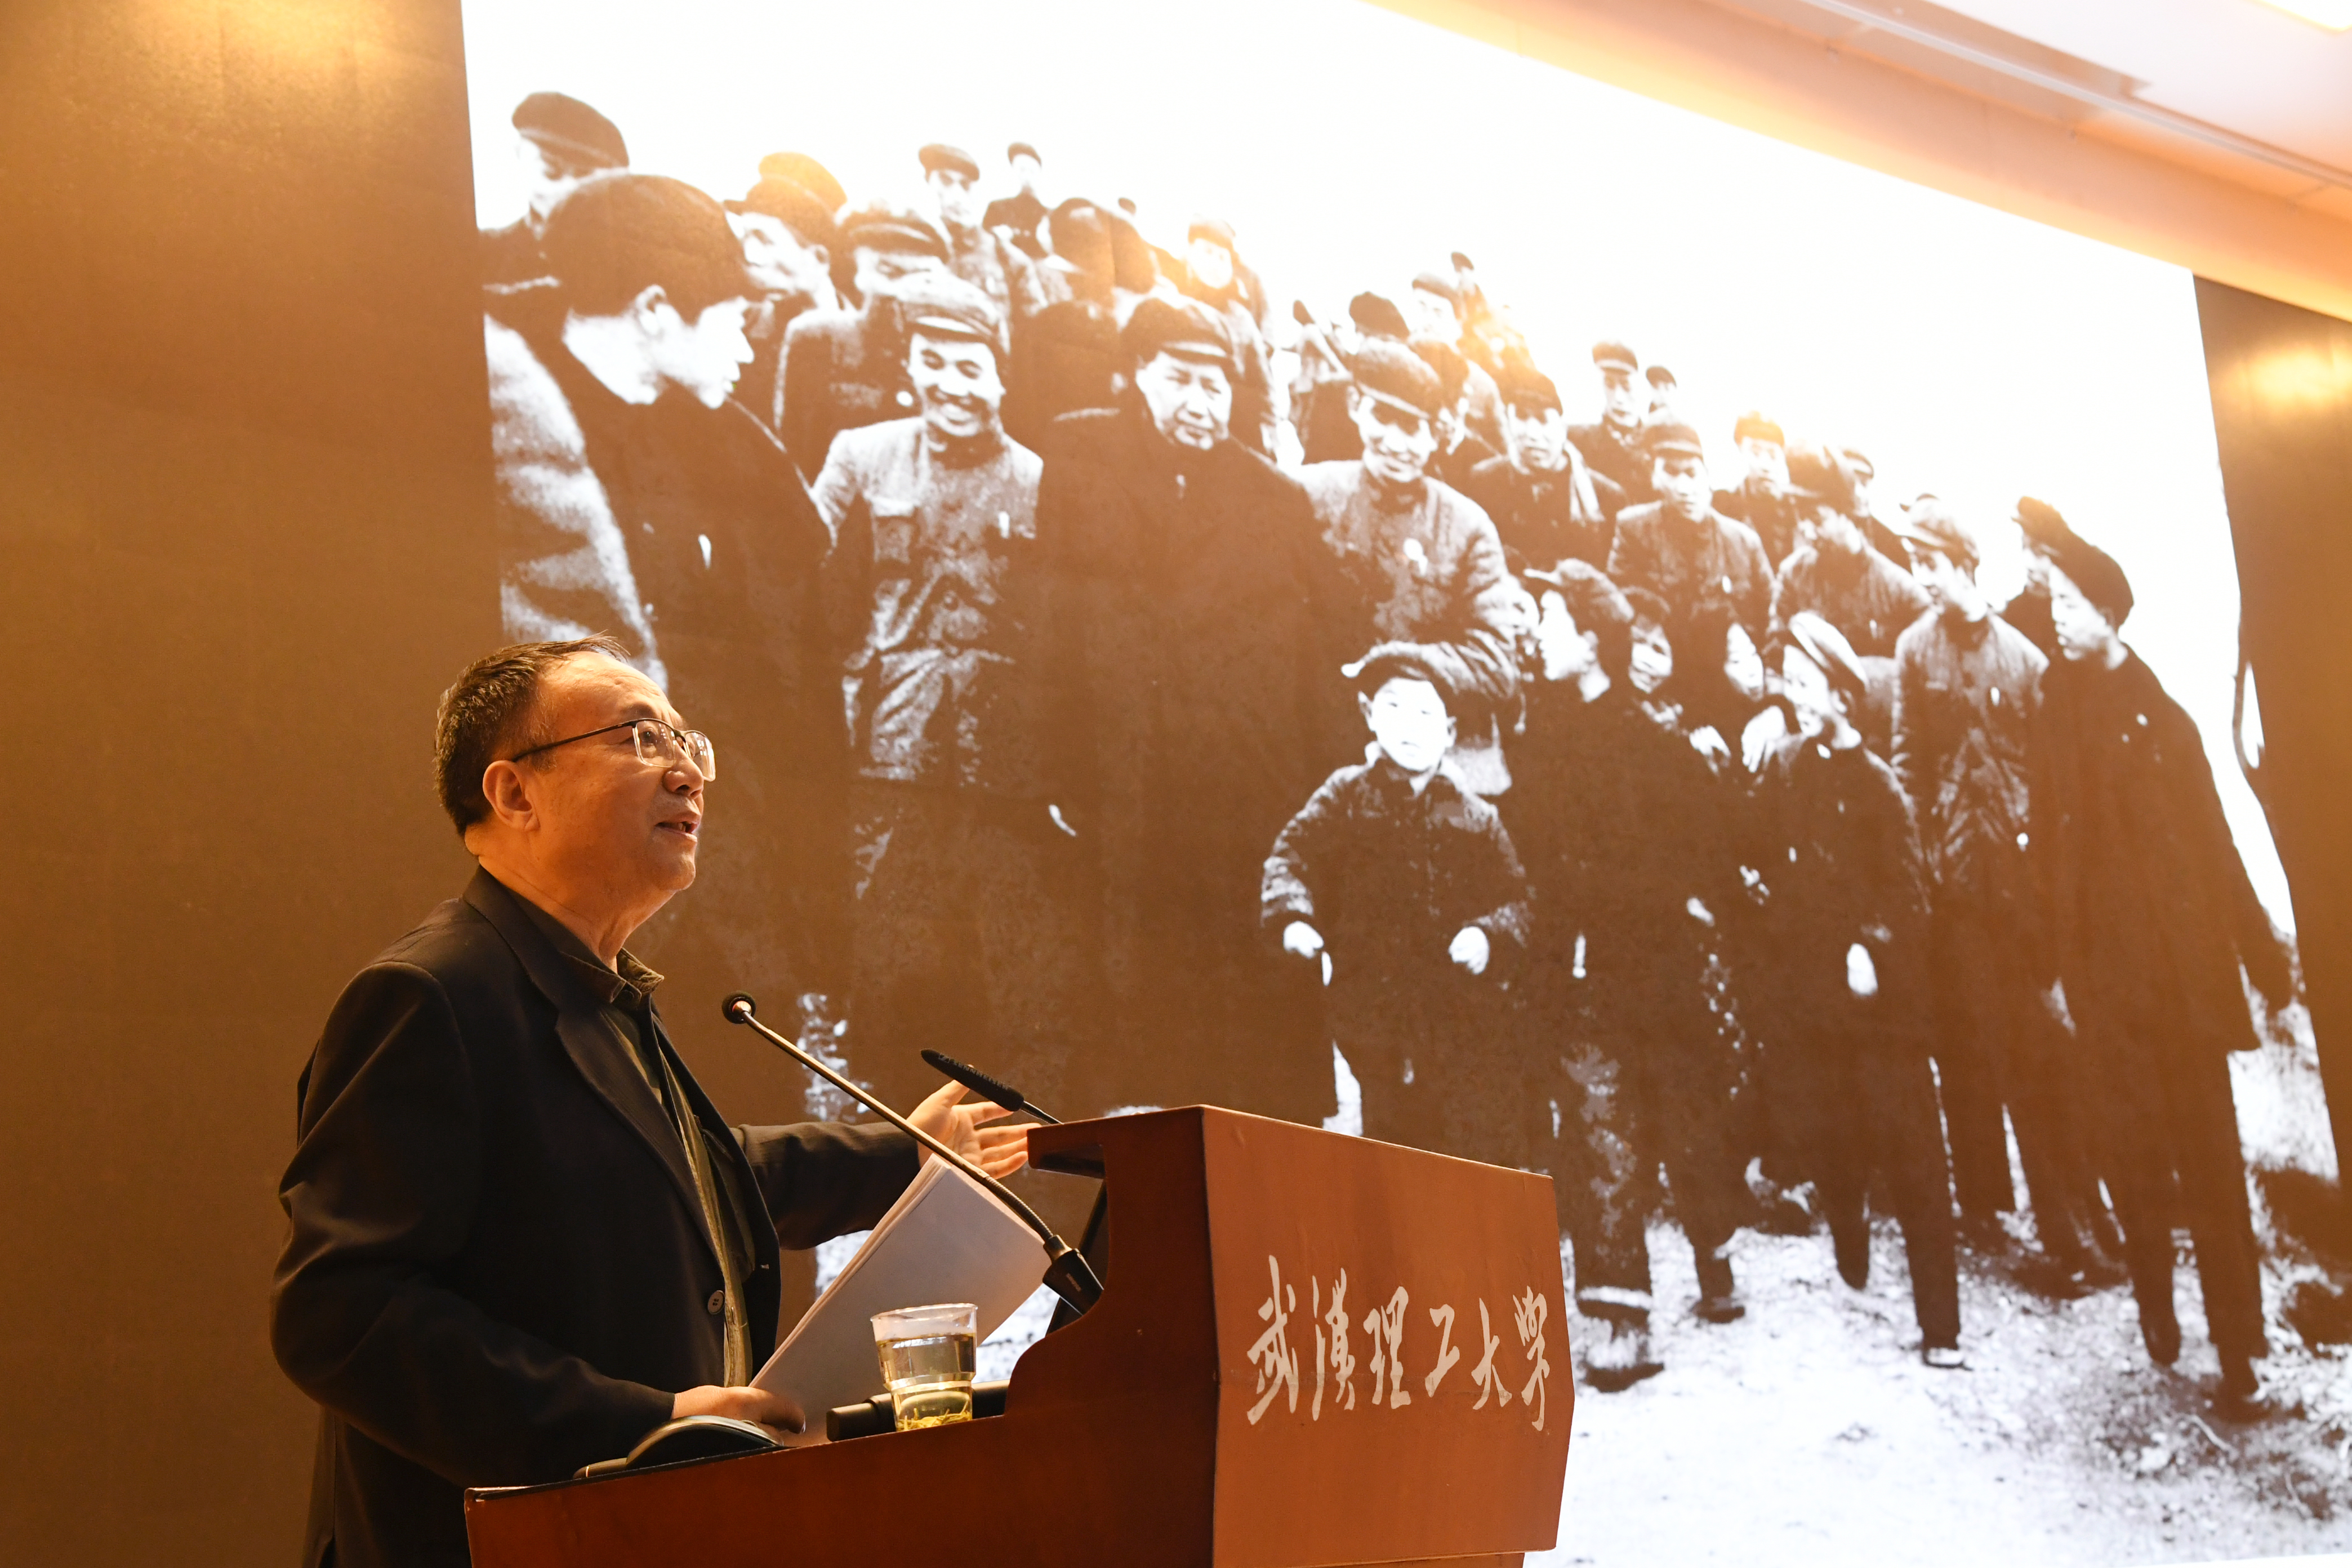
(646, 308)
(509, 790)
(1364, 706)
(1452, 733)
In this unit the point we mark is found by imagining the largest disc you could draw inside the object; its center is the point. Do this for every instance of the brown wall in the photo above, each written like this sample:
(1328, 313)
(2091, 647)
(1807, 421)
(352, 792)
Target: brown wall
(243, 507)
(2282, 381)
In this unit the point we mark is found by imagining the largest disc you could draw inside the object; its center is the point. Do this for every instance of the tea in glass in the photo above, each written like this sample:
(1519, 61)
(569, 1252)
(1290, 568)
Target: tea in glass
(928, 1356)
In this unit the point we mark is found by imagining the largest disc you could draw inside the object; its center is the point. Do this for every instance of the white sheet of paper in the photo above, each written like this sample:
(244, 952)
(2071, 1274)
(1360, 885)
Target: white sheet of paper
(946, 1239)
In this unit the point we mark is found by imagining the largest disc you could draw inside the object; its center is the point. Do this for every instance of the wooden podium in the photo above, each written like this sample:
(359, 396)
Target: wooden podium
(1310, 1350)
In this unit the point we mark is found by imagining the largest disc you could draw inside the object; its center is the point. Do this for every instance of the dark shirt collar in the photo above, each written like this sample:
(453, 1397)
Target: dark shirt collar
(977, 452)
(1396, 783)
(627, 983)
(1966, 633)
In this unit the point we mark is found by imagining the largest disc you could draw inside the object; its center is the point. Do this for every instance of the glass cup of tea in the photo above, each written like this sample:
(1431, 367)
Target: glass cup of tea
(927, 1354)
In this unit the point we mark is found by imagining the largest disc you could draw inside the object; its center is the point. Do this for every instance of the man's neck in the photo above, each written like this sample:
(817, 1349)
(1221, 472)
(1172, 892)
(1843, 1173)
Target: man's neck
(1593, 684)
(1393, 495)
(1526, 463)
(604, 932)
(612, 350)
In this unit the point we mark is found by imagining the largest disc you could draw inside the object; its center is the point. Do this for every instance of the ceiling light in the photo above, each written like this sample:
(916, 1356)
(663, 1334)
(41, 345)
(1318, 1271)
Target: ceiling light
(2333, 14)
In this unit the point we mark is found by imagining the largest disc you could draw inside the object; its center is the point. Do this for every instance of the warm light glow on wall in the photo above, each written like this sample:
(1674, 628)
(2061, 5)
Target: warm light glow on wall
(2333, 14)
(2305, 377)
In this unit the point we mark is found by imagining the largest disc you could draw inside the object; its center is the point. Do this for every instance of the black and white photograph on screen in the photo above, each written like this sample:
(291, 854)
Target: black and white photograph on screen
(1290, 559)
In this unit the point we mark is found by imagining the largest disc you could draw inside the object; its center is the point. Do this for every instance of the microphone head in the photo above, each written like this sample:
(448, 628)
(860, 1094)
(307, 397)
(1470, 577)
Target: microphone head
(979, 1082)
(739, 1009)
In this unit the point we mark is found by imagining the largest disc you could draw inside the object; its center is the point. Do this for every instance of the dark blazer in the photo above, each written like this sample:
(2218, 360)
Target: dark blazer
(498, 1270)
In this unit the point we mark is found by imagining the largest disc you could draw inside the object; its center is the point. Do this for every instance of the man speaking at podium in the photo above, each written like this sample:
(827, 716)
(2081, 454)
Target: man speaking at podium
(521, 1236)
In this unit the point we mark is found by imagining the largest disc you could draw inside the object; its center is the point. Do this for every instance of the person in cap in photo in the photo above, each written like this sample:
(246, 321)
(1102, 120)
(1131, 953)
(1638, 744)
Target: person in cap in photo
(1678, 546)
(1615, 445)
(1547, 506)
(1606, 809)
(1664, 390)
(1403, 883)
(1377, 316)
(1966, 689)
(1437, 313)
(1489, 335)
(1210, 274)
(1848, 1094)
(1319, 389)
(1422, 560)
(800, 169)
(847, 367)
(2157, 933)
(1483, 327)
(1841, 578)
(1459, 450)
(1762, 501)
(1138, 266)
(984, 258)
(1099, 255)
(962, 922)
(1883, 536)
(1195, 700)
(1069, 357)
(2045, 533)
(1323, 399)
(1022, 214)
(559, 141)
(636, 495)
(789, 239)
(1166, 265)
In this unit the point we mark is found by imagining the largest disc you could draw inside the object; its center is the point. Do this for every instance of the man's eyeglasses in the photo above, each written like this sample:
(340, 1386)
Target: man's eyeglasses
(664, 745)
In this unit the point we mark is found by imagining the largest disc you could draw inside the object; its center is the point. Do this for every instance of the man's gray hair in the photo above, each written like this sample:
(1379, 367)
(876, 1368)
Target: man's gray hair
(491, 712)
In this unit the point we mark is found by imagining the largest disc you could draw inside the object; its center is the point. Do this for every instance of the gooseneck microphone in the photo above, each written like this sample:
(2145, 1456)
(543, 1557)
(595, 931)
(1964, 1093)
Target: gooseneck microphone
(1067, 1274)
(994, 1090)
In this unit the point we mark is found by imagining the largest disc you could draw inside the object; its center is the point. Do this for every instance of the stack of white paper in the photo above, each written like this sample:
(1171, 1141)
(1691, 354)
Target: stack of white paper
(946, 1239)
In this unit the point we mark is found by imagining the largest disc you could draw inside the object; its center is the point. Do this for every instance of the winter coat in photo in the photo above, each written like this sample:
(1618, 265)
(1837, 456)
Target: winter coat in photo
(1965, 696)
(1544, 519)
(1388, 877)
(685, 531)
(1693, 565)
(1427, 569)
(1194, 698)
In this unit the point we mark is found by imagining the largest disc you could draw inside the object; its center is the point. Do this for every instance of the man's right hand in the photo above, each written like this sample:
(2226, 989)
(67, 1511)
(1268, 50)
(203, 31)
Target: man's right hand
(1301, 939)
(778, 1415)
